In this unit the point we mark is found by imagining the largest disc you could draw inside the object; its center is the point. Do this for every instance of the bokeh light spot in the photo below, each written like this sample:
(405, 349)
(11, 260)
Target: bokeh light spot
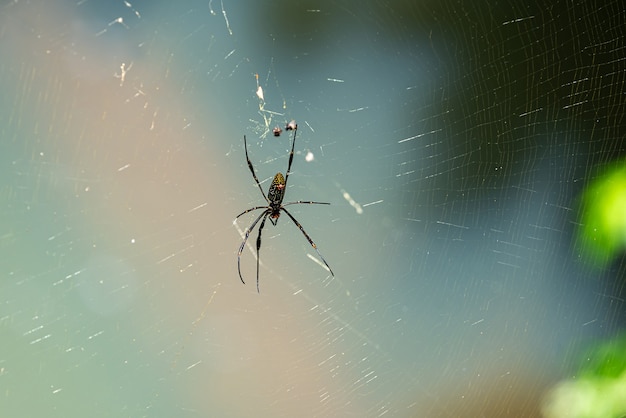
(603, 217)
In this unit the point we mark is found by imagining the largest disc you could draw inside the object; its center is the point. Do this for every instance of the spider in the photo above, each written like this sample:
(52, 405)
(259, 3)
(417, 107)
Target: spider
(274, 199)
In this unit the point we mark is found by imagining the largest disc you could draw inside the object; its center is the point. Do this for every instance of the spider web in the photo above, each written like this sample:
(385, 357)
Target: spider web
(454, 141)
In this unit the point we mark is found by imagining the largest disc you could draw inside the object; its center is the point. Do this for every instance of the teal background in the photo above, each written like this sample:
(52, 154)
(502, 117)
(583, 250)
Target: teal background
(452, 139)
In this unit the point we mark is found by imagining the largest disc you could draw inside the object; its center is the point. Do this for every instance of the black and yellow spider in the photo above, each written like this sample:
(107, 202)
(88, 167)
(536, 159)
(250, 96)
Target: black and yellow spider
(274, 199)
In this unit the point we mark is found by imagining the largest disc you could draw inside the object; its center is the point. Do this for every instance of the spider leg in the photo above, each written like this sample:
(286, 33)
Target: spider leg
(308, 238)
(258, 249)
(293, 144)
(243, 244)
(256, 179)
(250, 210)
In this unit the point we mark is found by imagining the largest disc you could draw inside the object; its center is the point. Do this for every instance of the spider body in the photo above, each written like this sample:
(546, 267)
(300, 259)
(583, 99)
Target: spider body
(275, 195)
(274, 199)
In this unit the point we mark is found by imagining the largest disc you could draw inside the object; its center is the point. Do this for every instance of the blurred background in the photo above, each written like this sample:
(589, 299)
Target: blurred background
(473, 155)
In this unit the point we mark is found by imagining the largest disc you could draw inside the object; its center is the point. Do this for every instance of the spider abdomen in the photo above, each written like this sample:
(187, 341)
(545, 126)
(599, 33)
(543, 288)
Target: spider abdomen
(277, 189)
